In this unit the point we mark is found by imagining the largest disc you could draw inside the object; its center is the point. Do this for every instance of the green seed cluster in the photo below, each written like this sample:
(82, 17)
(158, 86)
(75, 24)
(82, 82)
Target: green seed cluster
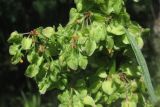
(90, 59)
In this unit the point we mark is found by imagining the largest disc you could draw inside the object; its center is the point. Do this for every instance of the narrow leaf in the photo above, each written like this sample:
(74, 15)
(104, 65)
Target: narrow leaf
(141, 61)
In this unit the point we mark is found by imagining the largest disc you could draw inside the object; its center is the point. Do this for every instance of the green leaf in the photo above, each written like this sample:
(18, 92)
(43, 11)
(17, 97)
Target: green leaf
(134, 97)
(98, 31)
(88, 101)
(77, 101)
(109, 43)
(32, 71)
(54, 71)
(83, 61)
(112, 6)
(54, 65)
(108, 87)
(26, 43)
(62, 84)
(72, 61)
(17, 57)
(46, 66)
(65, 98)
(128, 104)
(40, 61)
(48, 32)
(79, 4)
(13, 49)
(83, 93)
(15, 37)
(115, 28)
(96, 85)
(134, 85)
(44, 84)
(115, 96)
(102, 73)
(82, 40)
(112, 68)
(98, 96)
(90, 47)
(99, 17)
(135, 29)
(125, 39)
(115, 6)
(117, 79)
(32, 57)
(140, 42)
(99, 105)
(74, 15)
(141, 61)
(62, 60)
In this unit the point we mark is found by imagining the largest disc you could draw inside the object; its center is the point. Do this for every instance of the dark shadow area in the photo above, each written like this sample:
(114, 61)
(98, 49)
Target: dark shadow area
(24, 16)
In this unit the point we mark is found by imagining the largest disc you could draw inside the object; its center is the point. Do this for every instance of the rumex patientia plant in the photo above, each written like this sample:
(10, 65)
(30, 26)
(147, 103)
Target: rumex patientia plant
(95, 60)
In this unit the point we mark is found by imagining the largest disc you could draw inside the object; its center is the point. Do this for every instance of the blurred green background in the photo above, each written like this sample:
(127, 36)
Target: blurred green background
(24, 15)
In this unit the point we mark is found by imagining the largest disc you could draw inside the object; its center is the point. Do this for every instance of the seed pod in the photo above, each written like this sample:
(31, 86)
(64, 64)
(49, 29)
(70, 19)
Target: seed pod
(41, 48)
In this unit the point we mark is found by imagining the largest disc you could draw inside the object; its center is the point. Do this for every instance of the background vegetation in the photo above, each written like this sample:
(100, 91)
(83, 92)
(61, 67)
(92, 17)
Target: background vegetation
(17, 90)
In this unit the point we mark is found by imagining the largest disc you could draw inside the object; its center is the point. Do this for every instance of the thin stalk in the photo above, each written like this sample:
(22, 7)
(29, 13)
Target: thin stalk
(141, 61)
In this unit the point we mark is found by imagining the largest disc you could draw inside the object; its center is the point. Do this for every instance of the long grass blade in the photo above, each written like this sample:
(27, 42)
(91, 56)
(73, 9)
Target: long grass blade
(141, 61)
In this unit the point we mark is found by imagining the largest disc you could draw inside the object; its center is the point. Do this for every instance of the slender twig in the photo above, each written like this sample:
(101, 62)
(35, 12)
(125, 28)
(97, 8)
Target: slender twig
(27, 33)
